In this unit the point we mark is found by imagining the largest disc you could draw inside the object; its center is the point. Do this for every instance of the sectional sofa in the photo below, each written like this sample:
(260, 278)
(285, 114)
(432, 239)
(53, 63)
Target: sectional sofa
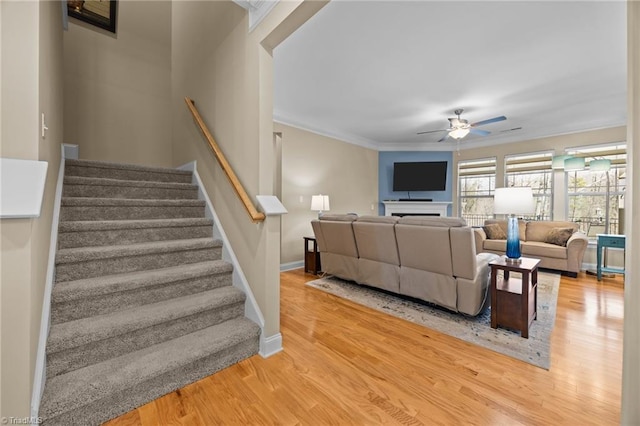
(543, 240)
(425, 257)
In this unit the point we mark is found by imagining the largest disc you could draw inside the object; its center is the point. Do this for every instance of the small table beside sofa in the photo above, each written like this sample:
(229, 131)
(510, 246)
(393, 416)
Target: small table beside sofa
(514, 301)
(608, 240)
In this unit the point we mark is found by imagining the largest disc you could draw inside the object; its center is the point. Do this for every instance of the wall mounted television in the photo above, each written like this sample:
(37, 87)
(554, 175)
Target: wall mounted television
(420, 176)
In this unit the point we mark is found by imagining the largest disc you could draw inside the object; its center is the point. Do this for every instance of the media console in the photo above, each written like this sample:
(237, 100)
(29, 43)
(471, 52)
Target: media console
(413, 207)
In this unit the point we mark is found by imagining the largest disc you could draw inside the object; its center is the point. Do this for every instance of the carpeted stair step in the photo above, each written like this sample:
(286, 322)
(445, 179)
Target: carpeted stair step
(79, 186)
(99, 392)
(100, 169)
(87, 262)
(143, 303)
(101, 233)
(85, 208)
(76, 344)
(72, 300)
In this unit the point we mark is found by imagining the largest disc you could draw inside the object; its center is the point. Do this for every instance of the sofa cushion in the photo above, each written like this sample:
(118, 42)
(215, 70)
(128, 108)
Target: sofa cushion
(522, 226)
(559, 236)
(463, 249)
(339, 238)
(495, 245)
(376, 241)
(425, 247)
(537, 230)
(494, 232)
(543, 250)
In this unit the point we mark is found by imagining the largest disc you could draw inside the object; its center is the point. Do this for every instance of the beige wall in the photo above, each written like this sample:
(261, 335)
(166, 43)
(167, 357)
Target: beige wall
(630, 414)
(31, 83)
(117, 87)
(314, 164)
(227, 71)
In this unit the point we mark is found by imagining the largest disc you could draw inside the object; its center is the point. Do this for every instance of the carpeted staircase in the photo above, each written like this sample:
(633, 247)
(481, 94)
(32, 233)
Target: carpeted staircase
(142, 304)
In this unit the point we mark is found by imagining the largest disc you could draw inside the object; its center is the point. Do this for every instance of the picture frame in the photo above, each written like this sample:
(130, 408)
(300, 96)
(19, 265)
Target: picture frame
(101, 13)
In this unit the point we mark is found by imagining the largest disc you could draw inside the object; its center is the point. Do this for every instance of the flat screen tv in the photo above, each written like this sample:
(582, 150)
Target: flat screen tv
(420, 176)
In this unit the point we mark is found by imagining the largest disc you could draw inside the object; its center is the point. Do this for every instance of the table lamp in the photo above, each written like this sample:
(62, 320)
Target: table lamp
(513, 201)
(320, 203)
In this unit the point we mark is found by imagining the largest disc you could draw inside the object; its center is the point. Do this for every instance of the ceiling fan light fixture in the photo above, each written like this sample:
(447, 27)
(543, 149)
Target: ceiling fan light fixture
(459, 133)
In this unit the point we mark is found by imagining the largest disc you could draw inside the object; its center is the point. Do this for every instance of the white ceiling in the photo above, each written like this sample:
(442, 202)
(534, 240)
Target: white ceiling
(375, 73)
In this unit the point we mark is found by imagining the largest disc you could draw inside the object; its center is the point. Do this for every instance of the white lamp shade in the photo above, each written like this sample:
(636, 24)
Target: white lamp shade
(320, 203)
(574, 163)
(459, 133)
(558, 161)
(513, 200)
(602, 165)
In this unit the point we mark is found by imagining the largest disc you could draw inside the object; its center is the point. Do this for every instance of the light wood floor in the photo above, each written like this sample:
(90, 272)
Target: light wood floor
(346, 364)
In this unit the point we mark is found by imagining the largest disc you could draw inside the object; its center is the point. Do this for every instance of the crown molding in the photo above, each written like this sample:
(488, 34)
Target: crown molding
(258, 10)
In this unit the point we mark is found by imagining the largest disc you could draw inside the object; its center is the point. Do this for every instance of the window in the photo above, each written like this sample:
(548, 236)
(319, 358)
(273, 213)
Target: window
(596, 196)
(533, 170)
(476, 184)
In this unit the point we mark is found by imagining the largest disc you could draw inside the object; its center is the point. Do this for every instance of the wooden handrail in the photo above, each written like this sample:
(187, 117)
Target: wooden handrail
(255, 215)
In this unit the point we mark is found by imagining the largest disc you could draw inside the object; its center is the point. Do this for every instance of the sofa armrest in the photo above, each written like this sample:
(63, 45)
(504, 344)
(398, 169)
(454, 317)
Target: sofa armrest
(482, 263)
(473, 295)
(576, 246)
(480, 237)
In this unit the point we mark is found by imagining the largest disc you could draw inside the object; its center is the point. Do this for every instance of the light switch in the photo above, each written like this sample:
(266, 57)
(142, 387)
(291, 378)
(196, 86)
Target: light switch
(43, 126)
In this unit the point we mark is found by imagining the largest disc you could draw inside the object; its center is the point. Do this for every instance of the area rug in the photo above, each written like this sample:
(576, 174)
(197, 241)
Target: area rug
(477, 330)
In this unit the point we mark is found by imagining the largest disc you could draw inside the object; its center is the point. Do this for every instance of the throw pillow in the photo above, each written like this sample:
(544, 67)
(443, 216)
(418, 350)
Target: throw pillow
(494, 232)
(559, 236)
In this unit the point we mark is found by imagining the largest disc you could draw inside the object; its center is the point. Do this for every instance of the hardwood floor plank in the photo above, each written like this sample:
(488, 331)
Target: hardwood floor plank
(345, 364)
(132, 418)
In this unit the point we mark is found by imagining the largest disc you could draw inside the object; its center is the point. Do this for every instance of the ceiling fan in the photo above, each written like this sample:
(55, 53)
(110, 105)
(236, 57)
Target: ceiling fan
(459, 127)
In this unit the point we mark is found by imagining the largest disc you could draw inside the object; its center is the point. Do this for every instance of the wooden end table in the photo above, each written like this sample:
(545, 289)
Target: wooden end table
(311, 256)
(513, 300)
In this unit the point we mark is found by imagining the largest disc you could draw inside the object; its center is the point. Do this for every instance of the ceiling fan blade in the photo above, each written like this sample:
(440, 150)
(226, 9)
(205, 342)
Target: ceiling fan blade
(510, 130)
(431, 131)
(479, 132)
(489, 121)
(444, 138)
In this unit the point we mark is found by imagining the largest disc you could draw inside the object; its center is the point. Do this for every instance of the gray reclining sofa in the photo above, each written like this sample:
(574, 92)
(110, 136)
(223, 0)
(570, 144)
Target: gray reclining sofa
(425, 257)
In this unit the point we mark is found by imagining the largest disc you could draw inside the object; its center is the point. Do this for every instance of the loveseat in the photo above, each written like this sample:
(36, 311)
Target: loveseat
(558, 244)
(425, 257)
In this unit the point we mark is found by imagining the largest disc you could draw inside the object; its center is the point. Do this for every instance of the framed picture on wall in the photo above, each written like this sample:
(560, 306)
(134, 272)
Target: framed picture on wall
(101, 13)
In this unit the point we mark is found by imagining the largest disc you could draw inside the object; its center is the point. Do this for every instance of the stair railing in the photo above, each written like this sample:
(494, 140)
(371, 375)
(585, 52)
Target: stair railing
(255, 215)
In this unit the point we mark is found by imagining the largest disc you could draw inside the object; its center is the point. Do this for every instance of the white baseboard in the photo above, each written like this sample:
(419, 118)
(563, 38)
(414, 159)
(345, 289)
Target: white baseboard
(291, 265)
(251, 308)
(270, 345)
(39, 376)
